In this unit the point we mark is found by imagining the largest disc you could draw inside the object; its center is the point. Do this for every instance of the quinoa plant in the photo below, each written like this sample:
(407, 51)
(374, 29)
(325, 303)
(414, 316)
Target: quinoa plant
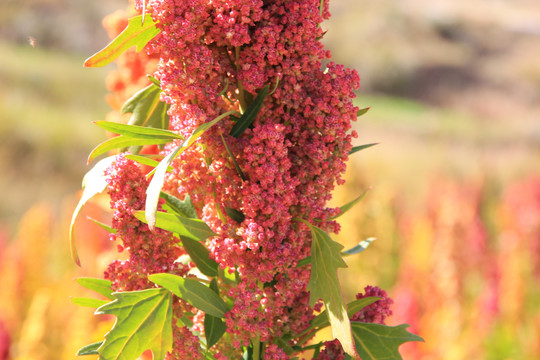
(220, 185)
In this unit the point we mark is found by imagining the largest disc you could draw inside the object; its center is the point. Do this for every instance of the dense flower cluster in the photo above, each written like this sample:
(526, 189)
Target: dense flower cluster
(216, 56)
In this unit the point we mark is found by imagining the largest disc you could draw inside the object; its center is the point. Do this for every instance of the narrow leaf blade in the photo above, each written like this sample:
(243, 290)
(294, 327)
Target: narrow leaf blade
(136, 131)
(349, 205)
(321, 321)
(137, 33)
(88, 302)
(192, 291)
(361, 147)
(122, 141)
(200, 256)
(156, 184)
(251, 112)
(89, 349)
(214, 328)
(193, 228)
(101, 286)
(93, 183)
(362, 245)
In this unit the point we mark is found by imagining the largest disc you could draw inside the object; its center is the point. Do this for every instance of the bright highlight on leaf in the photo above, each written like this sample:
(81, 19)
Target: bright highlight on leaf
(101, 286)
(376, 342)
(93, 183)
(193, 228)
(154, 189)
(324, 284)
(321, 321)
(143, 322)
(192, 291)
(136, 34)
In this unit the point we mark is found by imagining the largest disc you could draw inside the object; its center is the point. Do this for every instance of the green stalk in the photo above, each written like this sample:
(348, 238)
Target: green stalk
(257, 348)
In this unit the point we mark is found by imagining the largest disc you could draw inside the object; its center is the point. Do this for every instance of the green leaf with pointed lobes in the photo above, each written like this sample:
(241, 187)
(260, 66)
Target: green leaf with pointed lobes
(137, 33)
(144, 321)
(376, 342)
(324, 284)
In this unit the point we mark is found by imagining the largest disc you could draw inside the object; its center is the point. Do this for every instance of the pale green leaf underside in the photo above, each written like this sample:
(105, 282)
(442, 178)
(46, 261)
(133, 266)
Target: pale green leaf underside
(136, 34)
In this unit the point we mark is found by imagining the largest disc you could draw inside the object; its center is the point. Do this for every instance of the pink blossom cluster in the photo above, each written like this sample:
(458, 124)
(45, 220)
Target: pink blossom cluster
(216, 56)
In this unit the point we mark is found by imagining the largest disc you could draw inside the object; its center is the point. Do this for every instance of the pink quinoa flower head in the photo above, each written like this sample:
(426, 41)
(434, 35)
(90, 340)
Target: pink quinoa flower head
(378, 311)
(217, 56)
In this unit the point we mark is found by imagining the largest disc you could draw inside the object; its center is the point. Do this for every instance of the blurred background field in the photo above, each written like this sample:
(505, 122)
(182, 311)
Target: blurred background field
(454, 200)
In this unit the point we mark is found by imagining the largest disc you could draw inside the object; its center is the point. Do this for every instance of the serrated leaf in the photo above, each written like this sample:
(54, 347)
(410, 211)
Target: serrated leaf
(321, 321)
(362, 111)
(93, 184)
(249, 115)
(324, 284)
(376, 342)
(89, 349)
(182, 207)
(362, 245)
(156, 184)
(361, 147)
(143, 322)
(120, 142)
(193, 228)
(235, 214)
(349, 205)
(101, 286)
(104, 226)
(137, 33)
(200, 256)
(138, 132)
(192, 291)
(88, 302)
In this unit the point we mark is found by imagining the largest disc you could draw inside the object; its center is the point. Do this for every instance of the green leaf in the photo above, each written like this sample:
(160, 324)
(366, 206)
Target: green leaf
(361, 147)
(200, 256)
(122, 141)
(93, 183)
(137, 33)
(349, 205)
(143, 322)
(192, 291)
(324, 284)
(182, 207)
(88, 302)
(251, 112)
(354, 250)
(321, 321)
(235, 163)
(138, 132)
(143, 160)
(375, 341)
(193, 228)
(235, 214)
(147, 109)
(154, 188)
(362, 245)
(89, 349)
(101, 286)
(214, 327)
(362, 111)
(104, 226)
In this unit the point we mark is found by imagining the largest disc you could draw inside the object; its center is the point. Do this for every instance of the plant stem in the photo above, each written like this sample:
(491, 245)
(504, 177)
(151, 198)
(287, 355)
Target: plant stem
(257, 348)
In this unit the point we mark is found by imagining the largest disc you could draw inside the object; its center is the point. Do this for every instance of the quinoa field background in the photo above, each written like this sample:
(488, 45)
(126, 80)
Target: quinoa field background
(454, 184)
